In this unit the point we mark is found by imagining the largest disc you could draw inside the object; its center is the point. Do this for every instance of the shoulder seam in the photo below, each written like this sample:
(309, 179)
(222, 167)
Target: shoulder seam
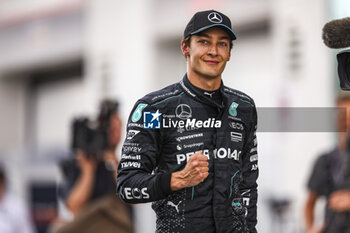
(162, 94)
(246, 101)
(240, 94)
(170, 97)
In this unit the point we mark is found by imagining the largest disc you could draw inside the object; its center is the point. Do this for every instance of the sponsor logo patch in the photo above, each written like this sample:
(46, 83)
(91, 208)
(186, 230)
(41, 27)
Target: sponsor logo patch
(135, 125)
(134, 193)
(215, 17)
(133, 149)
(138, 112)
(253, 158)
(182, 138)
(233, 109)
(254, 167)
(131, 164)
(175, 206)
(236, 125)
(183, 111)
(131, 134)
(218, 153)
(236, 137)
(131, 157)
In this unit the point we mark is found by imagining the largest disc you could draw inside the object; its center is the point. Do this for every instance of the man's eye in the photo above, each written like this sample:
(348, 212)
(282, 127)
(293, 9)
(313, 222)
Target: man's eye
(203, 42)
(224, 44)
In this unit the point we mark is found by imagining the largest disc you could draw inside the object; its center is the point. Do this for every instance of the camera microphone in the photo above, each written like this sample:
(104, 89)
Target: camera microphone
(336, 33)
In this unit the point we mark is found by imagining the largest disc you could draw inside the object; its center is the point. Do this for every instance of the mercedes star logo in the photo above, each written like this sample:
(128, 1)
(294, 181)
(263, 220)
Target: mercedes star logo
(215, 17)
(183, 111)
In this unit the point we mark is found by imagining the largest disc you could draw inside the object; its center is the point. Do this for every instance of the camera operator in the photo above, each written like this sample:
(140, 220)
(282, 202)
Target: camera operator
(89, 193)
(330, 178)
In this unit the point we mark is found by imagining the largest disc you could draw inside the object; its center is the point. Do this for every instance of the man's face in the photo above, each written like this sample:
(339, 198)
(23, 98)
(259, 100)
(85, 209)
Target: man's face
(208, 53)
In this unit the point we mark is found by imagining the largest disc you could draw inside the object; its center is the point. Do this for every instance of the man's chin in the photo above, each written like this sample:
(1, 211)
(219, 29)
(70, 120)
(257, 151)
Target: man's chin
(212, 74)
(209, 76)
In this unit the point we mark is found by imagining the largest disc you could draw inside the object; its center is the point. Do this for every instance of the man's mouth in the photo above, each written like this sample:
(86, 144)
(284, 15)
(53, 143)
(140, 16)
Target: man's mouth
(211, 62)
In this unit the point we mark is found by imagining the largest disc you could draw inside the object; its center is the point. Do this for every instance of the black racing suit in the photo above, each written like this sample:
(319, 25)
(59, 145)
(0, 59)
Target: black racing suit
(190, 121)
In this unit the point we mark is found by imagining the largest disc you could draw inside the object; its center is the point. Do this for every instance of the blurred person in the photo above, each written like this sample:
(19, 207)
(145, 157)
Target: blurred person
(199, 165)
(330, 178)
(14, 215)
(91, 184)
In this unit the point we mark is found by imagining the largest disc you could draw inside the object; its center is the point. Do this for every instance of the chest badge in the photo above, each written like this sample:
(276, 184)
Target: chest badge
(138, 112)
(233, 109)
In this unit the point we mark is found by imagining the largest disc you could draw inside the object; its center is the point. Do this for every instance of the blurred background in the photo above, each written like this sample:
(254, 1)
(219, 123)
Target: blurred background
(60, 58)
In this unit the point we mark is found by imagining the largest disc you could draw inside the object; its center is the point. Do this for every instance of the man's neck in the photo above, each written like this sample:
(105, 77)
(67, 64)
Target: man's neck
(204, 83)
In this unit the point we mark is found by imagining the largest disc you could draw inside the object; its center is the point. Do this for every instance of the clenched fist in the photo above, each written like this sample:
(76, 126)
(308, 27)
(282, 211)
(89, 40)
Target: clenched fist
(195, 172)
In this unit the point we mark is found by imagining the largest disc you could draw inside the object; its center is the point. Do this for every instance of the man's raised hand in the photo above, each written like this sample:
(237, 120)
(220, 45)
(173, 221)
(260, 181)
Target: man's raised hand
(195, 172)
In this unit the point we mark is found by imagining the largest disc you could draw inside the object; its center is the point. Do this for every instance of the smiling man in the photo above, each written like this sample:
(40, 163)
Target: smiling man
(191, 147)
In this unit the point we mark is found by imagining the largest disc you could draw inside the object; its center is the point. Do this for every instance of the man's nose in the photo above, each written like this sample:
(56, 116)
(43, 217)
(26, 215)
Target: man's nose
(213, 50)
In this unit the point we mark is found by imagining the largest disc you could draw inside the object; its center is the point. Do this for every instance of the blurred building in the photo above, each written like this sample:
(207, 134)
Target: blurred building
(58, 59)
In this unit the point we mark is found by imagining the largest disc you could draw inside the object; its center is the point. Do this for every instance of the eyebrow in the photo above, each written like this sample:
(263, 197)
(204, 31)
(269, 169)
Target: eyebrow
(202, 34)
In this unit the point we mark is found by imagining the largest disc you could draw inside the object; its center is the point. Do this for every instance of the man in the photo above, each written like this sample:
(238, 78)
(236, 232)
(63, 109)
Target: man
(191, 147)
(91, 182)
(330, 178)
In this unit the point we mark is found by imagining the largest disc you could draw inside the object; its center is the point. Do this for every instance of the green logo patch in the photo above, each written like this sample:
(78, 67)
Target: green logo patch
(233, 109)
(138, 112)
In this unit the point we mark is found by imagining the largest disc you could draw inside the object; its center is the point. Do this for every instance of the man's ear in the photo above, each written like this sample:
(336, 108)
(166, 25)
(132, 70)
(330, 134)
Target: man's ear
(185, 49)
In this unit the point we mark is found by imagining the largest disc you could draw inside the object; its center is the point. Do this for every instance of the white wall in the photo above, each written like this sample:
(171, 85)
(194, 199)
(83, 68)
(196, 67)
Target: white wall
(57, 103)
(12, 94)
